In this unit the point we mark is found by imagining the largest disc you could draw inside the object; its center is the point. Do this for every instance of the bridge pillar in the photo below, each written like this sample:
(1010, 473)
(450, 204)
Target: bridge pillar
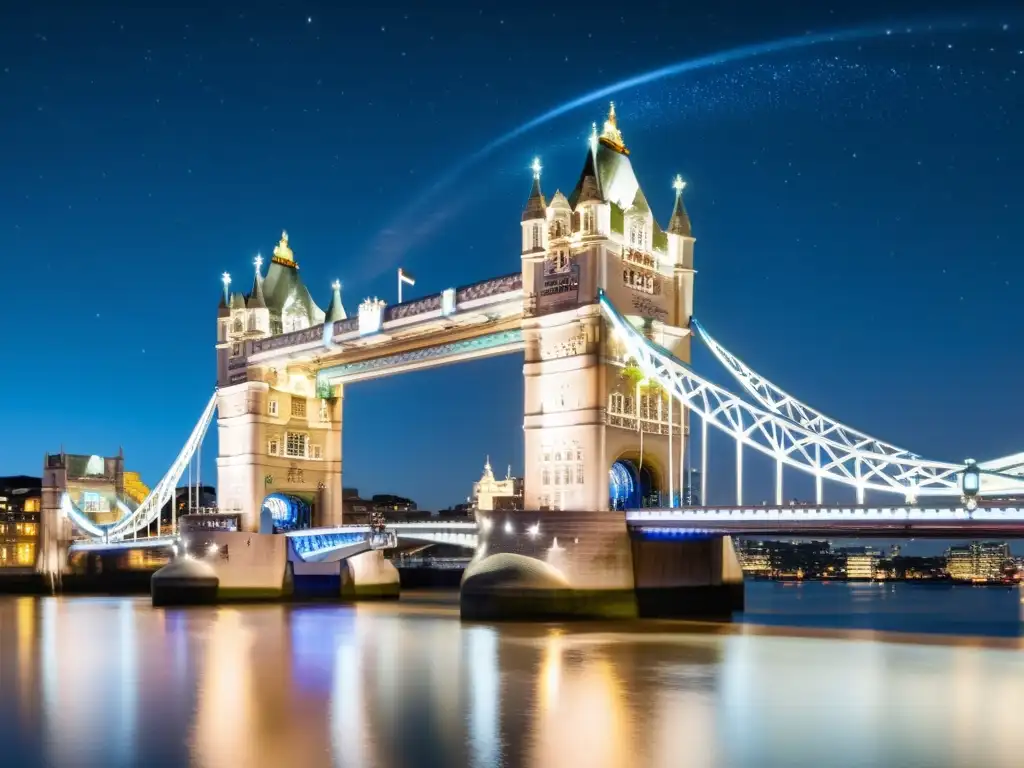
(687, 577)
(276, 436)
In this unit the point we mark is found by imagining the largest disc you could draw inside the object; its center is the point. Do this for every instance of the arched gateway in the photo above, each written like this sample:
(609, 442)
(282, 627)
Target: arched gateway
(590, 419)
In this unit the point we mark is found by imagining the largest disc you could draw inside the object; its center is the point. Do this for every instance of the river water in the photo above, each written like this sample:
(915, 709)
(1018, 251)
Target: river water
(802, 680)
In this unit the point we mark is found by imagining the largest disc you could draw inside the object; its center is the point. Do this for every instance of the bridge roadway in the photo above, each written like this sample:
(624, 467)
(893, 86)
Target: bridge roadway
(950, 522)
(852, 521)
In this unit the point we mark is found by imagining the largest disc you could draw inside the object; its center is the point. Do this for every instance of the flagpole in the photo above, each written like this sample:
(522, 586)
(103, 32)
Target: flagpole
(399, 285)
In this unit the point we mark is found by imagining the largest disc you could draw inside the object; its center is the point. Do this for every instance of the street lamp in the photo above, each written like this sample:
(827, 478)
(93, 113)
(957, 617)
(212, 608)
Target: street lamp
(971, 484)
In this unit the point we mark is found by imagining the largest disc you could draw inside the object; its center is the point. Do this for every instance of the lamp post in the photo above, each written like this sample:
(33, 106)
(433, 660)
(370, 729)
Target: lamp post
(971, 484)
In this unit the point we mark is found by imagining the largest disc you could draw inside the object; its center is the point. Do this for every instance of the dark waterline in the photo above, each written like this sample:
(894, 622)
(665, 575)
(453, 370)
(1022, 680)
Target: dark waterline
(113, 682)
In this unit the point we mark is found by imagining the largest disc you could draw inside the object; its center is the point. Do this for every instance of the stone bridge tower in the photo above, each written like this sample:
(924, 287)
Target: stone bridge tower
(278, 432)
(597, 433)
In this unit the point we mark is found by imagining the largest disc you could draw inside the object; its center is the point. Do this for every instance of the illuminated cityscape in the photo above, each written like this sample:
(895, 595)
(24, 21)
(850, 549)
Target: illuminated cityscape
(512, 385)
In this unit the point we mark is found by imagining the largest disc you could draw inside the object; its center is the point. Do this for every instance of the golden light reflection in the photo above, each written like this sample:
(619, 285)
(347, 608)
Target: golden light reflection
(551, 671)
(25, 612)
(587, 720)
(224, 732)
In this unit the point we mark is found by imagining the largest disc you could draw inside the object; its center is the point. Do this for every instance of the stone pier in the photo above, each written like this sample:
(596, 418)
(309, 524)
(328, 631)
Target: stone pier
(561, 565)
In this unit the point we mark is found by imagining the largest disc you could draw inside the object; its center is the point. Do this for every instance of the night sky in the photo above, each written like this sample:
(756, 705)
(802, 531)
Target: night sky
(857, 207)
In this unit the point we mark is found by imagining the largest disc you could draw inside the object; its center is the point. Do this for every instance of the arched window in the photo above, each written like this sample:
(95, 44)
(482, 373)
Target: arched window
(239, 325)
(536, 236)
(556, 229)
(588, 222)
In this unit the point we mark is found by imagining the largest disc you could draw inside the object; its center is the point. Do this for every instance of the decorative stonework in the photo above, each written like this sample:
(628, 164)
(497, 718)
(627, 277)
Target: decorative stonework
(304, 336)
(647, 308)
(412, 308)
(346, 326)
(371, 315)
(487, 288)
(575, 345)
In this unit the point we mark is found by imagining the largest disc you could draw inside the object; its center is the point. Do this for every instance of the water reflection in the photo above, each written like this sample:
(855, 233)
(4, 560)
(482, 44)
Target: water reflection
(112, 682)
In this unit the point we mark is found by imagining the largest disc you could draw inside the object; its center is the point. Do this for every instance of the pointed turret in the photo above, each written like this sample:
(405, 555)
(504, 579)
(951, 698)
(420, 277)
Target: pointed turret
(611, 136)
(535, 205)
(534, 215)
(256, 298)
(679, 224)
(336, 310)
(588, 189)
(560, 202)
(225, 296)
(237, 301)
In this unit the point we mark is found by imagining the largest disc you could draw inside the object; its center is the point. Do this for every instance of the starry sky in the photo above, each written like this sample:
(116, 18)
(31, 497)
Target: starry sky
(856, 203)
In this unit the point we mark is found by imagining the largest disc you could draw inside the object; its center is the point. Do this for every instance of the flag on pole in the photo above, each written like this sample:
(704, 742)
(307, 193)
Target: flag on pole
(405, 277)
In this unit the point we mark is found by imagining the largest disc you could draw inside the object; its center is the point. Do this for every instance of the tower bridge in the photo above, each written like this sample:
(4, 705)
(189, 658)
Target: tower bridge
(601, 308)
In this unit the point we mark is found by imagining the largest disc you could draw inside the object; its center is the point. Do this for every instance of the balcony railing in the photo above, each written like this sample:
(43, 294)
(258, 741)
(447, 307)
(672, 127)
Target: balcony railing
(651, 426)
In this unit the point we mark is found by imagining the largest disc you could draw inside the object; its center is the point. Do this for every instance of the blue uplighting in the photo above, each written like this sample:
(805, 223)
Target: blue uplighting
(289, 513)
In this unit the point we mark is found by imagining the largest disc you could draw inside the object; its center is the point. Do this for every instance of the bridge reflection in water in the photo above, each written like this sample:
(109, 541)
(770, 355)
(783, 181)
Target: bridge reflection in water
(408, 684)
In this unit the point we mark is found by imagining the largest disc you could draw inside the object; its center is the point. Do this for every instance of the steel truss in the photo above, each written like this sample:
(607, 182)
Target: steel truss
(792, 434)
(775, 399)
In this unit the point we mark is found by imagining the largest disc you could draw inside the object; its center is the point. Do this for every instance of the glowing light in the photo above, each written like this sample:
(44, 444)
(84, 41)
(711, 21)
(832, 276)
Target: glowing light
(508, 527)
(226, 279)
(212, 549)
(533, 530)
(336, 285)
(678, 184)
(258, 261)
(536, 167)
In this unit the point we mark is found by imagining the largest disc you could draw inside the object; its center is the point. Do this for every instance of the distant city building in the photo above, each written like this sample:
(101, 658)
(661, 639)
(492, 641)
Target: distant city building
(755, 558)
(20, 504)
(979, 561)
(354, 507)
(491, 494)
(861, 564)
(386, 502)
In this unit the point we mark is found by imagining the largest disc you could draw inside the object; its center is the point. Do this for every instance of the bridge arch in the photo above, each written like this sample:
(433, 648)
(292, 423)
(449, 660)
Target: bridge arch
(282, 512)
(634, 481)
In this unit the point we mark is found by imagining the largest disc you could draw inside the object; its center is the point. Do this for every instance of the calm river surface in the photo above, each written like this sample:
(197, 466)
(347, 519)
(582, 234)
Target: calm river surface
(113, 682)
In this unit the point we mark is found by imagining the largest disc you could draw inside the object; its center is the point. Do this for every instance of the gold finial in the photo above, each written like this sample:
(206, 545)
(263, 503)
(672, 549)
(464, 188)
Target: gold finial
(611, 136)
(258, 261)
(678, 184)
(282, 253)
(536, 167)
(336, 285)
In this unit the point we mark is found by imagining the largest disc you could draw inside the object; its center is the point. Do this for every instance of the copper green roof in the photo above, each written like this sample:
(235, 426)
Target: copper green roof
(285, 293)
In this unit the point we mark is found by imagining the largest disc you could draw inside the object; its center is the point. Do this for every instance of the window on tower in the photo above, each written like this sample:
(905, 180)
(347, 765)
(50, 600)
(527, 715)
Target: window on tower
(295, 444)
(536, 236)
(588, 221)
(272, 408)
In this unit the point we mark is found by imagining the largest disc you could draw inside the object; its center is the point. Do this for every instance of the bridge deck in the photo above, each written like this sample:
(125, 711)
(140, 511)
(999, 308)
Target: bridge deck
(834, 521)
